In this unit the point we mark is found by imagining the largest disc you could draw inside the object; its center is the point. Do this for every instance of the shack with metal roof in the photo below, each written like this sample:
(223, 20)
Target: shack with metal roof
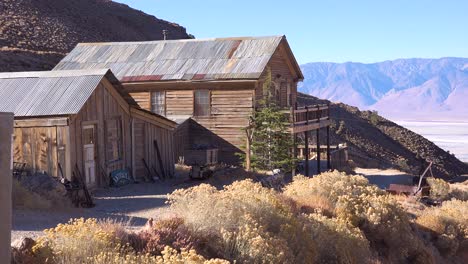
(216, 83)
(83, 122)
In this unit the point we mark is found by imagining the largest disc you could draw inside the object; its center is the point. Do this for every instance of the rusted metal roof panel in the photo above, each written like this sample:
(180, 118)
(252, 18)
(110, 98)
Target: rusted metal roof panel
(222, 58)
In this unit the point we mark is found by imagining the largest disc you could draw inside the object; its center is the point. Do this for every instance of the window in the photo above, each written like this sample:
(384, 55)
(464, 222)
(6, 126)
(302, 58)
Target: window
(202, 103)
(158, 103)
(114, 139)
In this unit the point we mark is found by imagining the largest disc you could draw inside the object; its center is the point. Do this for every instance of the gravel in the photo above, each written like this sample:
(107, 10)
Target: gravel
(132, 204)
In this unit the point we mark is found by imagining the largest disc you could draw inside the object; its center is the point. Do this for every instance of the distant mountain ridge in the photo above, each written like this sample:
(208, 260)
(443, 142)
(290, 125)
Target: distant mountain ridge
(426, 88)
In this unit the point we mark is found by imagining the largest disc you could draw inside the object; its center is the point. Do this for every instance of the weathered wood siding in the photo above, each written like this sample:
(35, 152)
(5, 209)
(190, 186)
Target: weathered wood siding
(143, 99)
(281, 77)
(230, 111)
(41, 148)
(146, 133)
(182, 139)
(179, 103)
(103, 105)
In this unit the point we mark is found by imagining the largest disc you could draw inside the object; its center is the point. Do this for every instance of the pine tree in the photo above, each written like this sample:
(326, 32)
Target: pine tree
(269, 141)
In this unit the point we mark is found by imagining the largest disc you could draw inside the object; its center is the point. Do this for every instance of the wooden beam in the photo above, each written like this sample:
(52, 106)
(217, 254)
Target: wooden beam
(184, 85)
(153, 119)
(116, 95)
(306, 165)
(312, 126)
(42, 122)
(318, 151)
(287, 58)
(328, 149)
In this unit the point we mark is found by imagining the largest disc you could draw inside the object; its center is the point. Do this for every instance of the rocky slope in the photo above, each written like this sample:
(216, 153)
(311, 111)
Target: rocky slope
(36, 34)
(377, 142)
(426, 88)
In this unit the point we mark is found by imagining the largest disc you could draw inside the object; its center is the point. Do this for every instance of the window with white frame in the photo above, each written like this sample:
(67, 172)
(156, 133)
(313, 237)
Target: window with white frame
(202, 103)
(158, 103)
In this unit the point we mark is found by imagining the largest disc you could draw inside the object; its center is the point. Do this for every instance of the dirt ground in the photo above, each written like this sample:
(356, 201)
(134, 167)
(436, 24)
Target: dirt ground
(133, 204)
(383, 178)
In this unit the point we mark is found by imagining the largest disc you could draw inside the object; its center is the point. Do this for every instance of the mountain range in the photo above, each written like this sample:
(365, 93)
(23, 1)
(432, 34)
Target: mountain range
(418, 89)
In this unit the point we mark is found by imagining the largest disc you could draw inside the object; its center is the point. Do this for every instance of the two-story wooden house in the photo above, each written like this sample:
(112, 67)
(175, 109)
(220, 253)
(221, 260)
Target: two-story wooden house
(209, 86)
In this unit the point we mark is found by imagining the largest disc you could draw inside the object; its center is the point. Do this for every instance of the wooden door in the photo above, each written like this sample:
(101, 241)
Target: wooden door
(89, 153)
(140, 150)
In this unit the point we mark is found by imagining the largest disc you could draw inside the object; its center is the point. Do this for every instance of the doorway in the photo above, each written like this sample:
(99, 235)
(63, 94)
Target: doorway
(89, 154)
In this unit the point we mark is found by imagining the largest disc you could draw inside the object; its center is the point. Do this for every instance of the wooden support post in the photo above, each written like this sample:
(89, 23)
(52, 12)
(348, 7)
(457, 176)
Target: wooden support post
(328, 140)
(247, 155)
(306, 143)
(318, 151)
(328, 149)
(294, 150)
(306, 149)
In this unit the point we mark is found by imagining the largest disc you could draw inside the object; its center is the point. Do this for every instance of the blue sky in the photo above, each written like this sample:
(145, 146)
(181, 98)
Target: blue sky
(329, 30)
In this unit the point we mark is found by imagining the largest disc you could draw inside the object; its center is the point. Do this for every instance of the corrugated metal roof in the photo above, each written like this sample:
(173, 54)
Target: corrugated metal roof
(206, 59)
(49, 93)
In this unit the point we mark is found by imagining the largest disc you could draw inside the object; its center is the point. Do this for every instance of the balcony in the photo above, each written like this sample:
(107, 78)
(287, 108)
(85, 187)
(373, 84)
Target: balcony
(312, 117)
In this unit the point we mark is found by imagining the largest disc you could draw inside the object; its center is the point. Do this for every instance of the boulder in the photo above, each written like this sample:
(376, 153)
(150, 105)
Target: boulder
(21, 250)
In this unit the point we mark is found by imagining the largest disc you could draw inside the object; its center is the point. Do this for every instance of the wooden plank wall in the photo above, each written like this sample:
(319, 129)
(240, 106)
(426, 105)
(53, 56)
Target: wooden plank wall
(230, 111)
(179, 102)
(182, 139)
(282, 77)
(145, 134)
(143, 99)
(101, 106)
(41, 148)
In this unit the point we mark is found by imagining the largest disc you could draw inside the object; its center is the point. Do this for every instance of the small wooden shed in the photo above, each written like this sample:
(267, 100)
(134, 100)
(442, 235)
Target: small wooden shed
(84, 119)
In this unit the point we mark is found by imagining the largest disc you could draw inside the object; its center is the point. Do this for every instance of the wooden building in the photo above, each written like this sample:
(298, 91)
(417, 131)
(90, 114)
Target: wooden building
(210, 86)
(84, 119)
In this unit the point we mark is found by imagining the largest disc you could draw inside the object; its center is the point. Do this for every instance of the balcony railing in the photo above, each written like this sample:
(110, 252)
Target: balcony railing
(310, 117)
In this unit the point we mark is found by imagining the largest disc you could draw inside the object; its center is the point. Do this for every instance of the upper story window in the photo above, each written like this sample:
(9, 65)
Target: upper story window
(158, 102)
(202, 103)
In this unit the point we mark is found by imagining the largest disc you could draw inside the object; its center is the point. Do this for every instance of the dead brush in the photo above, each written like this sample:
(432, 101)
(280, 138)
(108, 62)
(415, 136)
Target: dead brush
(26, 199)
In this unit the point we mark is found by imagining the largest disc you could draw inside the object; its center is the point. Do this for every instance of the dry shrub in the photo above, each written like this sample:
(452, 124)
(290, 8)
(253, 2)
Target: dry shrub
(382, 220)
(169, 232)
(448, 226)
(230, 217)
(26, 199)
(315, 203)
(75, 242)
(250, 243)
(459, 191)
(168, 256)
(439, 188)
(339, 242)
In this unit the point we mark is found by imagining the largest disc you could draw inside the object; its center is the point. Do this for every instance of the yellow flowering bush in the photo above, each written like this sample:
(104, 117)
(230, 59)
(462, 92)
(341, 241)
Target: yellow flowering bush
(168, 256)
(75, 242)
(353, 200)
(448, 226)
(338, 241)
(233, 215)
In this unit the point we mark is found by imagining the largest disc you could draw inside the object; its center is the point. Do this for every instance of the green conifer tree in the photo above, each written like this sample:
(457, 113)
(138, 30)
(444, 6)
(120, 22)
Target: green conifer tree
(269, 141)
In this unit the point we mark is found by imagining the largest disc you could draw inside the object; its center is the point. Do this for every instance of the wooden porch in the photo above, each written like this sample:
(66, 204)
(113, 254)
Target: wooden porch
(305, 120)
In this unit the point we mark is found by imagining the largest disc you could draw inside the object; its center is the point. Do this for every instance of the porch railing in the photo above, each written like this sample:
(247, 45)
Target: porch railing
(310, 117)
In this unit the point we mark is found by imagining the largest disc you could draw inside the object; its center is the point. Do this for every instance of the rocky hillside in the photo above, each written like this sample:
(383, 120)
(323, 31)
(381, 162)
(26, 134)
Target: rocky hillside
(36, 34)
(377, 142)
(427, 88)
